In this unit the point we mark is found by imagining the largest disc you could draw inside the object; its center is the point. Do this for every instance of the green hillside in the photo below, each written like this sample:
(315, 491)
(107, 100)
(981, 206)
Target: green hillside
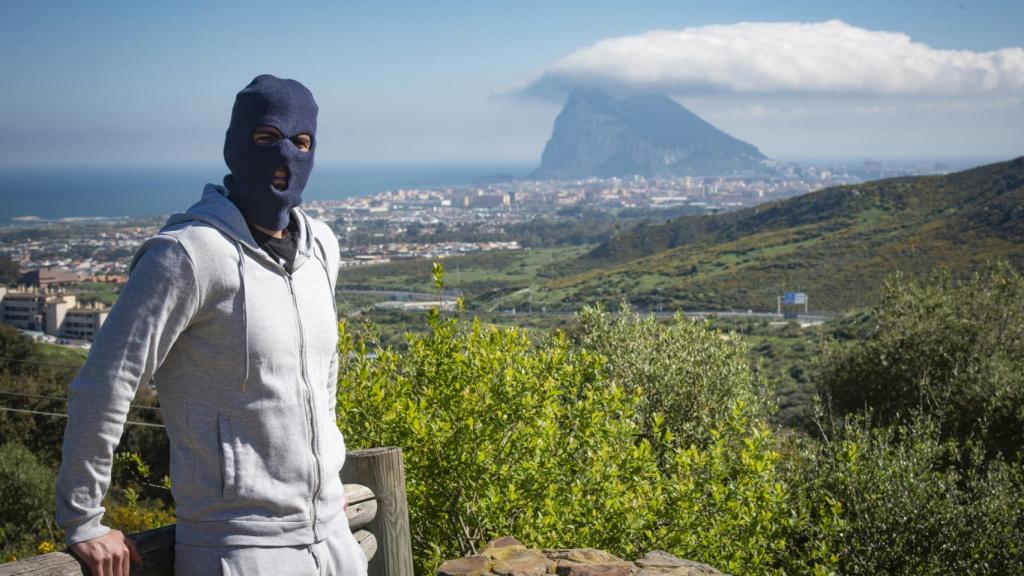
(837, 245)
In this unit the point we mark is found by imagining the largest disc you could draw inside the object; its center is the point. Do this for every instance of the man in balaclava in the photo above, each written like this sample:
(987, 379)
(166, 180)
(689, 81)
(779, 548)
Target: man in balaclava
(229, 311)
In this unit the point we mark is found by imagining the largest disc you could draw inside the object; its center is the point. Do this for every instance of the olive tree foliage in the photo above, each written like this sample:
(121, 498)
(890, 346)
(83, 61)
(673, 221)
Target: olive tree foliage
(951, 350)
(507, 435)
(685, 372)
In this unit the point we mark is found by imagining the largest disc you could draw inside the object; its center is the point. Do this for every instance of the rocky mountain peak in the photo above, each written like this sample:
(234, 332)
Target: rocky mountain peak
(650, 135)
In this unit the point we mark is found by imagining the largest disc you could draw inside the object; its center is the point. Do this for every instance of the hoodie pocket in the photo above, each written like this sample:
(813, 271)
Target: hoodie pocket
(332, 448)
(228, 457)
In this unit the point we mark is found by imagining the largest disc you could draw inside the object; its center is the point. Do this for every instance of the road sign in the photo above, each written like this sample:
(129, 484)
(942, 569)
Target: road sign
(794, 298)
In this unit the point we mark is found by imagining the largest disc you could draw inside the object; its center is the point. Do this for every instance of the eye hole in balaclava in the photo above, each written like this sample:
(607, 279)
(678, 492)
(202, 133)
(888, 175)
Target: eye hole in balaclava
(267, 135)
(287, 106)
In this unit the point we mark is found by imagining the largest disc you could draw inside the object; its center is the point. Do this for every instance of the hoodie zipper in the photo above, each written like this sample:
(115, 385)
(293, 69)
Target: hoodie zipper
(302, 350)
(309, 406)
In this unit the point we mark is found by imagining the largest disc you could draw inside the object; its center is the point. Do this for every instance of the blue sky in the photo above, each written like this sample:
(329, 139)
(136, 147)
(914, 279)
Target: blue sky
(147, 83)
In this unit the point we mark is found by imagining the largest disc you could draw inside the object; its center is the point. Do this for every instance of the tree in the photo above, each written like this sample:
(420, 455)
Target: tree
(10, 269)
(15, 352)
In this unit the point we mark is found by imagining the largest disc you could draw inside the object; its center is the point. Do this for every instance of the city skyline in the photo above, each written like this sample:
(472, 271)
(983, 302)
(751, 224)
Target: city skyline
(400, 82)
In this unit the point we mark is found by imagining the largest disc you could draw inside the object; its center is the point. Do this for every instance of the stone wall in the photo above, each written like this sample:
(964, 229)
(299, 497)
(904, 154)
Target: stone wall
(509, 557)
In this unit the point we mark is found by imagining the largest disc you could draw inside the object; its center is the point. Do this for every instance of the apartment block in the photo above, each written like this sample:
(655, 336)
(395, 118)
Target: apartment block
(54, 313)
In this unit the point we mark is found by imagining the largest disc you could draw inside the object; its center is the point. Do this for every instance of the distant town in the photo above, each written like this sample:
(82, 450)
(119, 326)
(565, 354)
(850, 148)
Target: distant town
(63, 275)
(375, 229)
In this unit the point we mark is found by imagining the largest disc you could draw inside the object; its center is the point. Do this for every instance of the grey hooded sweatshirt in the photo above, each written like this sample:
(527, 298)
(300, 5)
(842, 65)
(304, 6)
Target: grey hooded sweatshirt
(244, 359)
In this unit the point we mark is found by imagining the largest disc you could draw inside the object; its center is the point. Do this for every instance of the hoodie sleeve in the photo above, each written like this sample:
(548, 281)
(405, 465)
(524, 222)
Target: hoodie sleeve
(158, 302)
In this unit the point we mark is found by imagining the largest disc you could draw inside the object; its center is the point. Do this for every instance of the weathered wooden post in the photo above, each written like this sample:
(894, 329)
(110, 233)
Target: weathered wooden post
(381, 470)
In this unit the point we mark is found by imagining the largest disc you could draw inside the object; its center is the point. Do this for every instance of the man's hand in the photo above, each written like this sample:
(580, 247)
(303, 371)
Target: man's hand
(108, 555)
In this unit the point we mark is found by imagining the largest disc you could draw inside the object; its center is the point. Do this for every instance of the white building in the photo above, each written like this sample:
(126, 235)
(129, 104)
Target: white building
(54, 313)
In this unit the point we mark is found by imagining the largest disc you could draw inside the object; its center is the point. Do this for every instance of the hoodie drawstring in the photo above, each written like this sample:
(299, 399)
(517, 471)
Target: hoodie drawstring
(322, 257)
(327, 272)
(245, 318)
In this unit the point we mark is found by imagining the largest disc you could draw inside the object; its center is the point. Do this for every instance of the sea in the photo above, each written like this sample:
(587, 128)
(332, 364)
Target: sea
(55, 193)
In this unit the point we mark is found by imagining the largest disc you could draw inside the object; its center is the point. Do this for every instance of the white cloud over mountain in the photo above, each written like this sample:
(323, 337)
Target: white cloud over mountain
(783, 58)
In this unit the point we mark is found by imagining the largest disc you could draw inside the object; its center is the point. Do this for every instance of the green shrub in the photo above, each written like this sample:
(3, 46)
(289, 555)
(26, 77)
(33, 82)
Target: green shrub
(501, 436)
(127, 508)
(730, 504)
(953, 351)
(914, 504)
(689, 373)
(26, 502)
(29, 380)
(546, 441)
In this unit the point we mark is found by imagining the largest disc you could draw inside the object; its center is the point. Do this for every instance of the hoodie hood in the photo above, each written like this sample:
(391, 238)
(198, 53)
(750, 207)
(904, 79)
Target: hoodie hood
(217, 210)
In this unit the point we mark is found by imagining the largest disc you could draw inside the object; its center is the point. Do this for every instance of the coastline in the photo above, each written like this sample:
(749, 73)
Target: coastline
(39, 195)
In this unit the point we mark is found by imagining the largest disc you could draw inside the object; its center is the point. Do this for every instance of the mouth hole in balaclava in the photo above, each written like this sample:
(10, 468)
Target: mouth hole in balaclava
(281, 176)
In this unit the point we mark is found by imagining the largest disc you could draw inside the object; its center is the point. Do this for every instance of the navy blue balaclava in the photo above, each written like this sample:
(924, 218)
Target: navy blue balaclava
(288, 106)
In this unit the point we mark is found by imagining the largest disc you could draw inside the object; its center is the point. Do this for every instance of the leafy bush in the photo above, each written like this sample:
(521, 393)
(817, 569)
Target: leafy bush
(731, 504)
(914, 504)
(129, 514)
(26, 502)
(500, 436)
(547, 441)
(690, 374)
(127, 510)
(954, 351)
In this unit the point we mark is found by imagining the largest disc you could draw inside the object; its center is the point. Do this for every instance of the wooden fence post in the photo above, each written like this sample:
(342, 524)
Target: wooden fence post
(381, 470)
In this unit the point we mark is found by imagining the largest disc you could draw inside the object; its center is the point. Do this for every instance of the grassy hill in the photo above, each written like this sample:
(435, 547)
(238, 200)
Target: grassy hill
(837, 245)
